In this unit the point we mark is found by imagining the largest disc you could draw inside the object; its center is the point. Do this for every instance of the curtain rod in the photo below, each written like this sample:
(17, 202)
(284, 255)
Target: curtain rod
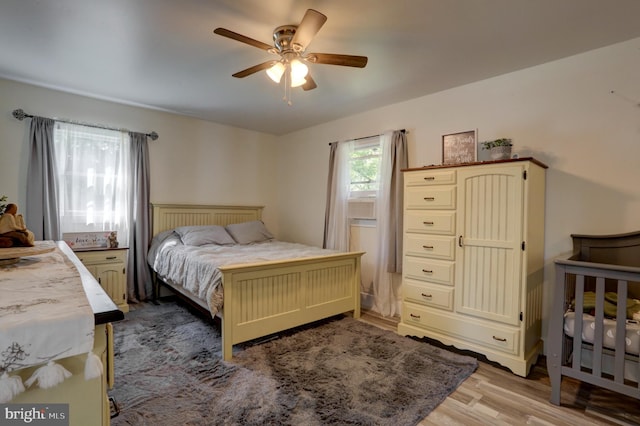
(367, 137)
(21, 115)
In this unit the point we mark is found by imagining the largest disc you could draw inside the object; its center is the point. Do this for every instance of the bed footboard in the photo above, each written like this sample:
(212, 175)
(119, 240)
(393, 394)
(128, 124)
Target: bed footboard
(614, 365)
(268, 297)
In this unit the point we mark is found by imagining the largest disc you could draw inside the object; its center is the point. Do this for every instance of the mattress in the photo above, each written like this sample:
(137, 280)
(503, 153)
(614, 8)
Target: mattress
(632, 327)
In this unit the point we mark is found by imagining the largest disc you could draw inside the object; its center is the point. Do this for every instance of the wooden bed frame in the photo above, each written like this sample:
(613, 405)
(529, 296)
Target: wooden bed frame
(606, 263)
(267, 297)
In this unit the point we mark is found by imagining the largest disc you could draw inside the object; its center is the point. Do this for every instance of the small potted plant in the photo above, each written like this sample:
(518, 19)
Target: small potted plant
(500, 149)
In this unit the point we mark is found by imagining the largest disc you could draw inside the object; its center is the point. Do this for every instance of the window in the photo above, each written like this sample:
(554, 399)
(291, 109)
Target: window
(93, 179)
(364, 171)
(364, 165)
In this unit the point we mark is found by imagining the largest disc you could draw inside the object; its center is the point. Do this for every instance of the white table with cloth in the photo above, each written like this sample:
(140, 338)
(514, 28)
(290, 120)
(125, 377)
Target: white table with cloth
(48, 324)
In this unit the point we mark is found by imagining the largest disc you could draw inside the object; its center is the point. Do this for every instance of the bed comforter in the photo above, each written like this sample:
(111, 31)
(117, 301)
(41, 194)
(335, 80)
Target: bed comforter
(196, 267)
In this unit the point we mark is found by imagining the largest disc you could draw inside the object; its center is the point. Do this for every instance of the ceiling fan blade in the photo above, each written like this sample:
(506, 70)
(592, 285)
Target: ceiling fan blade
(308, 28)
(254, 69)
(243, 39)
(334, 59)
(309, 84)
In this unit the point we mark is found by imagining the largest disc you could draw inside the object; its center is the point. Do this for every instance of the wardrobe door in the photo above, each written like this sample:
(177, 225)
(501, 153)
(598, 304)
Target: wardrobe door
(489, 242)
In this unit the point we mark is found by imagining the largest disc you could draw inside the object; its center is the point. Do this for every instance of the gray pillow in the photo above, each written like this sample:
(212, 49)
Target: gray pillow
(160, 237)
(249, 232)
(157, 242)
(201, 235)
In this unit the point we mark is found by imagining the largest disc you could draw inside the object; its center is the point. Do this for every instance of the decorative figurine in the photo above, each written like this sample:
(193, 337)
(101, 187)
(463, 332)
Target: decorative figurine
(113, 239)
(12, 226)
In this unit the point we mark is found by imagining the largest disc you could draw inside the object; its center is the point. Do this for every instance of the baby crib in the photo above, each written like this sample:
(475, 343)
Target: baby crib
(599, 346)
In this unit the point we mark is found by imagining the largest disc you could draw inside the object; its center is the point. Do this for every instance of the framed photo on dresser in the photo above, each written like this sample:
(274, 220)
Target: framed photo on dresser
(459, 148)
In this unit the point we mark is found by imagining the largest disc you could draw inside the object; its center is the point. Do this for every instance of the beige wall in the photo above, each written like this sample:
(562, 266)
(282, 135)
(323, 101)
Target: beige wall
(193, 161)
(562, 113)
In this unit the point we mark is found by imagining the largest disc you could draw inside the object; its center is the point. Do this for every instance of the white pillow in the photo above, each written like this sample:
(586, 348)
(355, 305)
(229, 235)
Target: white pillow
(249, 232)
(201, 235)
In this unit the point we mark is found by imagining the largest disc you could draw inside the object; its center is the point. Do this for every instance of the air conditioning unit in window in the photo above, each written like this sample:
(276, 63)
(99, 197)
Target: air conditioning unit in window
(361, 208)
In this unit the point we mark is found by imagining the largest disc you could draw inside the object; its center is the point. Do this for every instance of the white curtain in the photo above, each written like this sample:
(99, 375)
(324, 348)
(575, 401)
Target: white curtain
(393, 158)
(336, 220)
(93, 167)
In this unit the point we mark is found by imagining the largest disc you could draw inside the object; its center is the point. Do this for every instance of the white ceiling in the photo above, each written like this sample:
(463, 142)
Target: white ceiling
(163, 54)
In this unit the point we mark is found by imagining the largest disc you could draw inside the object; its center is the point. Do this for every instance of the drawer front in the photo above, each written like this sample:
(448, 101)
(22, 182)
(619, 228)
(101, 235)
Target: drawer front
(431, 197)
(472, 331)
(430, 177)
(428, 295)
(430, 222)
(431, 246)
(106, 256)
(437, 271)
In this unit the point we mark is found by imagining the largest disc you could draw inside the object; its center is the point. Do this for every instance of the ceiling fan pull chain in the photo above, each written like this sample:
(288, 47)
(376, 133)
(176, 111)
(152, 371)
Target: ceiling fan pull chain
(287, 87)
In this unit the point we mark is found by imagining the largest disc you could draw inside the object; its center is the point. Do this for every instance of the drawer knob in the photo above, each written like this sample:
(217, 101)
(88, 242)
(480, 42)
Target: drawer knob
(427, 271)
(428, 296)
(111, 257)
(427, 247)
(430, 178)
(429, 198)
(414, 316)
(429, 222)
(499, 339)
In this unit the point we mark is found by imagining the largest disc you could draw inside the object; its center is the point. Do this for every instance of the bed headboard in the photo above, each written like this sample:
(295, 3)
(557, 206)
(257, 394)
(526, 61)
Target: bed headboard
(169, 216)
(619, 249)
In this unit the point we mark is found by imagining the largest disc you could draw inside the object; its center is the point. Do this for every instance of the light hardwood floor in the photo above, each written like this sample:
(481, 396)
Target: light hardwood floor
(495, 396)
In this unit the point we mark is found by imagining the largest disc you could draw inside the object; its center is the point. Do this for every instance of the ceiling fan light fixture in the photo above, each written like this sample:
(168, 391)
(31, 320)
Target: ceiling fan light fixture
(276, 71)
(298, 71)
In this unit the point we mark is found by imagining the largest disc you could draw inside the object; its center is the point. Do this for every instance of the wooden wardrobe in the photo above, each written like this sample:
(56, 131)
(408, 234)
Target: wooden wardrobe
(474, 257)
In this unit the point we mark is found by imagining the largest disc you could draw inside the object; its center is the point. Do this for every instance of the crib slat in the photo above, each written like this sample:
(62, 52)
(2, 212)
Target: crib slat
(577, 329)
(599, 328)
(621, 332)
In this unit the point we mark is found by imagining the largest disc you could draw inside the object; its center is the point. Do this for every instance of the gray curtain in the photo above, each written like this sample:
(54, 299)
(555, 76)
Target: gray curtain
(138, 276)
(400, 161)
(332, 164)
(388, 261)
(41, 213)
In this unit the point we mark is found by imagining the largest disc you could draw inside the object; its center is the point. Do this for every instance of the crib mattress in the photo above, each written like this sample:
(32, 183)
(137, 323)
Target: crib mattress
(632, 338)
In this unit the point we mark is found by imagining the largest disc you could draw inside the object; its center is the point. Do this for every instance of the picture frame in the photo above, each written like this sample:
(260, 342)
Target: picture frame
(459, 148)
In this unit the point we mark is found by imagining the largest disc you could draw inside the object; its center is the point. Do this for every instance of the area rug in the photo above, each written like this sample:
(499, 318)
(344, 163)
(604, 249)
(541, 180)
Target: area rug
(341, 371)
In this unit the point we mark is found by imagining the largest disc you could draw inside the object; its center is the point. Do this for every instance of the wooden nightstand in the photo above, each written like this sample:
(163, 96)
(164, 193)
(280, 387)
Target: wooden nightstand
(109, 267)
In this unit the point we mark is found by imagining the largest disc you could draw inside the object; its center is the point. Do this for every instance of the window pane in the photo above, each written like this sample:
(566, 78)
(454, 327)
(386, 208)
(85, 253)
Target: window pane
(365, 163)
(93, 179)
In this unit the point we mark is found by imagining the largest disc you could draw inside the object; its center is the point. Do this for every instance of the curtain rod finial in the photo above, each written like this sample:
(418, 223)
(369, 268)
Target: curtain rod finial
(153, 136)
(19, 114)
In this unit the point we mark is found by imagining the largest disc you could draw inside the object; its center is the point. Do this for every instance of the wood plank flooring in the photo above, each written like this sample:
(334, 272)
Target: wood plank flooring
(495, 396)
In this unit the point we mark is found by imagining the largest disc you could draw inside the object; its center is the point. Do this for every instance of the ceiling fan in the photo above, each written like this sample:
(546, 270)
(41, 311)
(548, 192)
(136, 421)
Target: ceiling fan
(290, 43)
